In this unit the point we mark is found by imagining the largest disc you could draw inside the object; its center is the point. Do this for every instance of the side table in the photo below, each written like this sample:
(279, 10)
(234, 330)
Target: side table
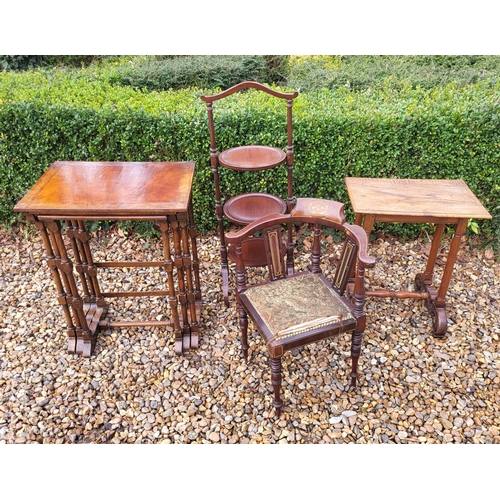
(433, 201)
(69, 193)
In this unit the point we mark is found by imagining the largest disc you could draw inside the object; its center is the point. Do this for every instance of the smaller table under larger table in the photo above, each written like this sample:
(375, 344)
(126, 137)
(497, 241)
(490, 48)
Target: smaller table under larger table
(437, 201)
(140, 191)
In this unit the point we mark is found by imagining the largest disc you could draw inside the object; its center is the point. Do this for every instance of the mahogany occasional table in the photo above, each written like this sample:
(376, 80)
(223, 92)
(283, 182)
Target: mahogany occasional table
(152, 191)
(418, 201)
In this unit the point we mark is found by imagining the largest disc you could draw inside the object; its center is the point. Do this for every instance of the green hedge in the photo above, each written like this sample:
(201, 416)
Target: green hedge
(19, 63)
(22, 63)
(200, 71)
(359, 73)
(444, 133)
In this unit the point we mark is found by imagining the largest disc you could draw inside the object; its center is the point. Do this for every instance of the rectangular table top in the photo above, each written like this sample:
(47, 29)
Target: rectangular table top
(433, 198)
(103, 190)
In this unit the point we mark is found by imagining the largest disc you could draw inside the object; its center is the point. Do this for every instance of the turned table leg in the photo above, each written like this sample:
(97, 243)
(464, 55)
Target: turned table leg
(85, 336)
(94, 306)
(176, 223)
(187, 262)
(62, 295)
(172, 296)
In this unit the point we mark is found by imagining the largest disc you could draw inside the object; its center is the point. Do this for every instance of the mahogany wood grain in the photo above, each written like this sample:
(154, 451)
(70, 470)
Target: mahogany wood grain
(248, 85)
(157, 191)
(111, 189)
(255, 157)
(247, 207)
(292, 315)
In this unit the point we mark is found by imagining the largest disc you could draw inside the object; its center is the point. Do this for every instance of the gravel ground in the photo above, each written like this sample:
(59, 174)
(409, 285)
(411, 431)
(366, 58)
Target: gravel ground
(413, 388)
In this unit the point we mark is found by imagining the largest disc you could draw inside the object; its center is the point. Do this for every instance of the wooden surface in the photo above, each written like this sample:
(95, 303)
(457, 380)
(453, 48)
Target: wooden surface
(156, 191)
(330, 209)
(247, 85)
(406, 199)
(290, 309)
(246, 207)
(109, 189)
(253, 157)
(438, 201)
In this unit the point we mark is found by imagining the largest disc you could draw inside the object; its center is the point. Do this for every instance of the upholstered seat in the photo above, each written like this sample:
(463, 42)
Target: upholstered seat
(286, 311)
(292, 309)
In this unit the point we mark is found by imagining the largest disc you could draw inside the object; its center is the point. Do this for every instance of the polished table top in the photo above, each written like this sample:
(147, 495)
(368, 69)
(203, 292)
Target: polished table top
(446, 198)
(110, 189)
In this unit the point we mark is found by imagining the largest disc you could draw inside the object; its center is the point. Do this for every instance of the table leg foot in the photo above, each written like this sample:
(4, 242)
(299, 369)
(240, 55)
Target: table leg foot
(186, 342)
(178, 350)
(72, 345)
(440, 323)
(85, 347)
(194, 340)
(84, 344)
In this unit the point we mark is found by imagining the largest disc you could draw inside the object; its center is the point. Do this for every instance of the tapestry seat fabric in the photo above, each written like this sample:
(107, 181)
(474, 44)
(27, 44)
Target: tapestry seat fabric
(296, 305)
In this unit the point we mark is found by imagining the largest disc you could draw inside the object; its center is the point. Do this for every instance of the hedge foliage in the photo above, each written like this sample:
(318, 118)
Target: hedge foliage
(359, 73)
(180, 72)
(452, 132)
(22, 63)
(19, 63)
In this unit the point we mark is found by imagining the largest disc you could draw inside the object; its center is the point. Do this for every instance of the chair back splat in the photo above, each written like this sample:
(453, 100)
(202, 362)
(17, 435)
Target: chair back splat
(318, 299)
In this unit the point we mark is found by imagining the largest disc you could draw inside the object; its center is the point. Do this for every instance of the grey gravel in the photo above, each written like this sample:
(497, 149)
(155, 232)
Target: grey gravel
(413, 388)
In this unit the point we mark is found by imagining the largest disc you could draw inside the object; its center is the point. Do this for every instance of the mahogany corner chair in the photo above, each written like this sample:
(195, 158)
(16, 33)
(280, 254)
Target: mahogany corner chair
(245, 208)
(290, 310)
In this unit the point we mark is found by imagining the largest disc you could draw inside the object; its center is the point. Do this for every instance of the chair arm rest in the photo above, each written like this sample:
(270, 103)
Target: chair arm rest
(362, 239)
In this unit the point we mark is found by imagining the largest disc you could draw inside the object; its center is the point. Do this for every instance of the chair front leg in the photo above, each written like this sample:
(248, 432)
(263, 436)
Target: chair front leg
(243, 330)
(358, 299)
(355, 352)
(276, 381)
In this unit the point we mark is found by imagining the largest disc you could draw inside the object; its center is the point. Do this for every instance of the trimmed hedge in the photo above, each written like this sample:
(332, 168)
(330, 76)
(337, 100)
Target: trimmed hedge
(439, 133)
(19, 63)
(180, 72)
(361, 73)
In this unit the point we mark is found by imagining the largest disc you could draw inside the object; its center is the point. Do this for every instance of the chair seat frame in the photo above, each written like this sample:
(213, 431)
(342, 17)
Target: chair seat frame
(351, 268)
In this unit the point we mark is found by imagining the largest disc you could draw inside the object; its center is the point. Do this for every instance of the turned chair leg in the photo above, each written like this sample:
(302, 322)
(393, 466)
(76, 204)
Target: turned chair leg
(355, 352)
(276, 381)
(244, 332)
